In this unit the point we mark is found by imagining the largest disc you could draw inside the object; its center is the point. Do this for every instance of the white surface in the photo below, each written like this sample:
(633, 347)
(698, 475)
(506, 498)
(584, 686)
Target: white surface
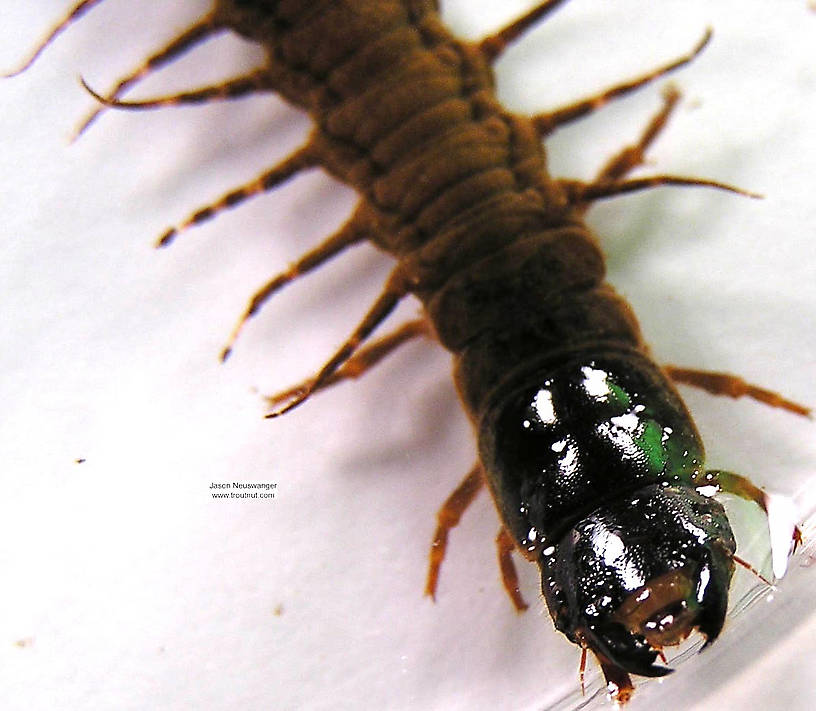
(126, 586)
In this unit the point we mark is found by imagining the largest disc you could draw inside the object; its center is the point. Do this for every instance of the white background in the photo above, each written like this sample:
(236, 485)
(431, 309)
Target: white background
(126, 586)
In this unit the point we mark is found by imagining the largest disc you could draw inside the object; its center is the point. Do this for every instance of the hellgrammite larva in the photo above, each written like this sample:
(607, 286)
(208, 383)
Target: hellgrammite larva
(593, 460)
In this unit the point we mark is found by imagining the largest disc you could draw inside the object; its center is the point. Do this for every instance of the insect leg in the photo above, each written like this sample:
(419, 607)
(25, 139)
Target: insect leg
(632, 156)
(396, 287)
(751, 569)
(305, 157)
(491, 47)
(741, 486)
(73, 15)
(362, 361)
(733, 386)
(547, 122)
(355, 230)
(582, 670)
(579, 192)
(235, 88)
(447, 518)
(201, 30)
(608, 182)
(505, 547)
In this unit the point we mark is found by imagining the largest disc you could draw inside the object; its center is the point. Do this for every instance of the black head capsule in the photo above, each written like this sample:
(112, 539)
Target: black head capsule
(594, 468)
(640, 574)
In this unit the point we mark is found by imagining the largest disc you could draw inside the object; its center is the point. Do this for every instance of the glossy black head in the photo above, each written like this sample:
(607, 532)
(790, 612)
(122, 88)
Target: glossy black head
(640, 574)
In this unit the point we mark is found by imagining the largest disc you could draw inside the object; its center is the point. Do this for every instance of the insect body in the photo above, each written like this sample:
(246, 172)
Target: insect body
(591, 457)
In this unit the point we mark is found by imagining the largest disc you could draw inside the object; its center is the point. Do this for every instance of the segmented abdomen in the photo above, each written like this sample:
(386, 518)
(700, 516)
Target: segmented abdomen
(454, 186)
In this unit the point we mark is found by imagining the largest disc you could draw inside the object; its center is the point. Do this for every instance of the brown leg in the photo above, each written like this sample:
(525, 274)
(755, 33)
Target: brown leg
(74, 14)
(361, 362)
(734, 484)
(395, 288)
(201, 30)
(751, 569)
(546, 123)
(300, 160)
(582, 670)
(492, 46)
(633, 156)
(582, 193)
(505, 546)
(355, 230)
(733, 386)
(251, 83)
(741, 486)
(608, 182)
(447, 518)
